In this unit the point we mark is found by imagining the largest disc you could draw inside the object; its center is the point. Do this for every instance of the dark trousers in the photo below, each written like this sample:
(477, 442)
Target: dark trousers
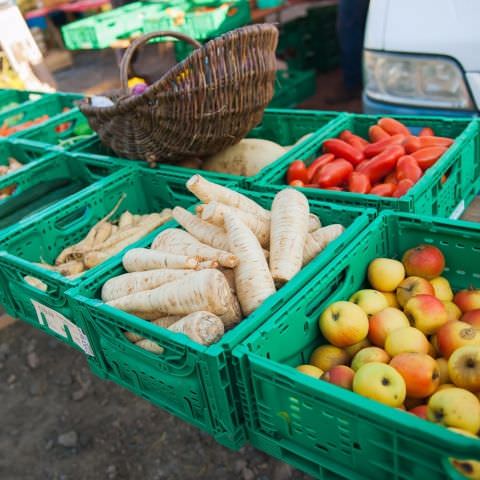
(352, 15)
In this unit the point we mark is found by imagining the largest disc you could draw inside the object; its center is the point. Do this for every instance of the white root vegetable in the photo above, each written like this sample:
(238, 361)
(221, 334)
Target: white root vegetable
(125, 220)
(253, 280)
(203, 290)
(300, 140)
(175, 240)
(35, 282)
(313, 222)
(133, 337)
(103, 232)
(164, 322)
(207, 192)
(234, 313)
(202, 327)
(245, 158)
(311, 249)
(149, 346)
(288, 232)
(327, 234)
(150, 316)
(207, 264)
(129, 283)
(230, 276)
(213, 212)
(203, 231)
(142, 259)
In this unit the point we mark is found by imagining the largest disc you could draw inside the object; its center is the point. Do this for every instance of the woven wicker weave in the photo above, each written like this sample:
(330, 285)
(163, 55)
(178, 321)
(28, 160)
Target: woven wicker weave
(202, 105)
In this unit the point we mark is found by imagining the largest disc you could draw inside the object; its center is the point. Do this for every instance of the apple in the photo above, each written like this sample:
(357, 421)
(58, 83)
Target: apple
(344, 323)
(420, 411)
(370, 301)
(426, 312)
(352, 350)
(420, 372)
(385, 274)
(455, 407)
(382, 323)
(340, 375)
(472, 317)
(381, 382)
(391, 299)
(424, 261)
(443, 290)
(310, 370)
(454, 335)
(468, 468)
(442, 365)
(412, 286)
(432, 350)
(327, 356)
(368, 355)
(468, 299)
(446, 386)
(413, 402)
(406, 339)
(464, 367)
(434, 343)
(453, 312)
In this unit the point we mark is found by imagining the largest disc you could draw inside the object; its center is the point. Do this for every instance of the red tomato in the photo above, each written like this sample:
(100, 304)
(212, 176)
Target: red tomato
(334, 173)
(431, 141)
(318, 163)
(402, 188)
(378, 147)
(407, 167)
(358, 183)
(426, 131)
(426, 157)
(354, 140)
(376, 133)
(311, 185)
(411, 144)
(381, 165)
(296, 183)
(393, 127)
(337, 189)
(343, 150)
(297, 171)
(391, 178)
(383, 190)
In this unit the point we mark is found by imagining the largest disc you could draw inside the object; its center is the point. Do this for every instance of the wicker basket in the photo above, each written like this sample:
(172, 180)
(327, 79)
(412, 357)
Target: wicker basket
(204, 104)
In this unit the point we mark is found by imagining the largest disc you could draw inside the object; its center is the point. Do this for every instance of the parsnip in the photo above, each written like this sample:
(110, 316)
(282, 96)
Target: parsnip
(318, 240)
(202, 327)
(103, 232)
(207, 192)
(133, 337)
(313, 222)
(129, 283)
(234, 313)
(150, 346)
(175, 240)
(253, 280)
(230, 276)
(207, 264)
(288, 232)
(35, 282)
(203, 231)
(142, 259)
(214, 212)
(203, 290)
(164, 322)
(125, 220)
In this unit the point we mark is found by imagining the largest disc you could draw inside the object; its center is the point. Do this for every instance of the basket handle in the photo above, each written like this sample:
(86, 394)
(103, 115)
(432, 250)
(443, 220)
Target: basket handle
(127, 56)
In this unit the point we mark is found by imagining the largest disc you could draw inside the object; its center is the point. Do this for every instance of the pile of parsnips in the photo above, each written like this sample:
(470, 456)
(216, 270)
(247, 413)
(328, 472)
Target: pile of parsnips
(230, 257)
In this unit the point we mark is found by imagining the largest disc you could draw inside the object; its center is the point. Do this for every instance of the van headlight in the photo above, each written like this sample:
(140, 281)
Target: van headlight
(427, 81)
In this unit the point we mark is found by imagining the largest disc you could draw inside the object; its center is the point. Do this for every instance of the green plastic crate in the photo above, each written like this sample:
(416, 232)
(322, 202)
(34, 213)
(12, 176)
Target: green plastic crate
(281, 126)
(62, 132)
(22, 153)
(14, 98)
(327, 431)
(192, 381)
(292, 87)
(429, 195)
(44, 235)
(50, 105)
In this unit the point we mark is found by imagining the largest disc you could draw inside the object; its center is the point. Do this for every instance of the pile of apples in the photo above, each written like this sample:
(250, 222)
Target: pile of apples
(409, 342)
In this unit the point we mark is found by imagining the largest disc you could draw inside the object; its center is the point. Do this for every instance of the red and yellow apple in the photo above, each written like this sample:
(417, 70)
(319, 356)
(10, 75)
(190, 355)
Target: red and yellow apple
(352, 350)
(420, 372)
(391, 299)
(370, 301)
(468, 468)
(411, 402)
(327, 356)
(453, 312)
(442, 365)
(369, 355)
(464, 367)
(455, 407)
(380, 382)
(385, 274)
(446, 386)
(412, 286)
(454, 335)
(384, 322)
(432, 351)
(424, 261)
(420, 411)
(344, 323)
(472, 317)
(310, 370)
(443, 290)
(406, 339)
(340, 375)
(468, 299)
(426, 312)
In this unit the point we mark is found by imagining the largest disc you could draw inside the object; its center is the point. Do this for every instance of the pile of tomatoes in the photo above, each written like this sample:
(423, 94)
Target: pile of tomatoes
(388, 165)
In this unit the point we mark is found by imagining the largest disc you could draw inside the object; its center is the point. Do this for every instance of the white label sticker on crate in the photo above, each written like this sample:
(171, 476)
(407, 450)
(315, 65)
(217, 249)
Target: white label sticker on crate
(459, 209)
(57, 323)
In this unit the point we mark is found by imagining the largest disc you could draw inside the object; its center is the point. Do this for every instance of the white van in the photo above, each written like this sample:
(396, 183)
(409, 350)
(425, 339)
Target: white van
(421, 57)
